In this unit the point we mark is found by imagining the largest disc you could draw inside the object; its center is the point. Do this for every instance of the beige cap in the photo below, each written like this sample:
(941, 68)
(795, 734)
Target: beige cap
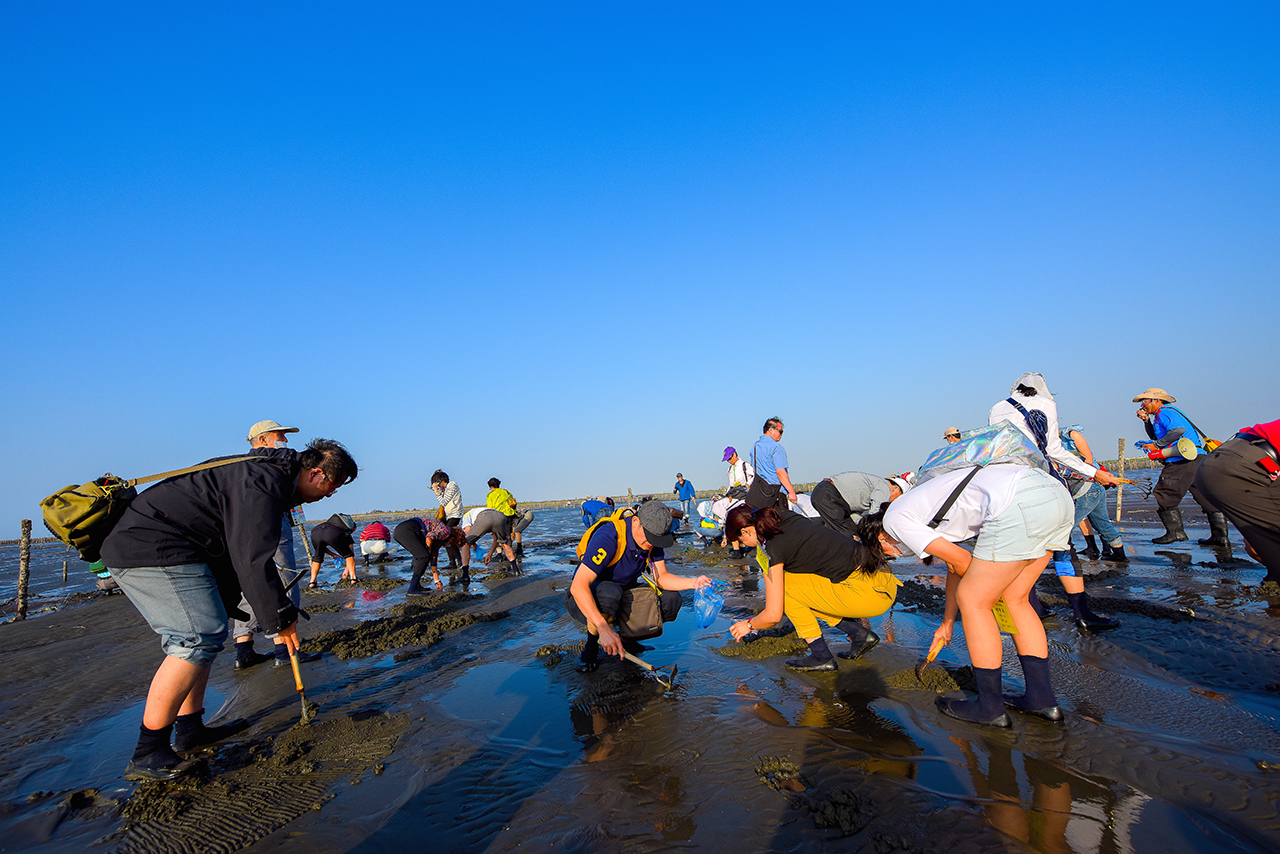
(1155, 394)
(951, 431)
(268, 427)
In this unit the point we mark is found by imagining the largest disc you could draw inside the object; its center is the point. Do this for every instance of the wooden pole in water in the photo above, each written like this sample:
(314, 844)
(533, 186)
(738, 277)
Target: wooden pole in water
(300, 520)
(1120, 488)
(64, 572)
(24, 568)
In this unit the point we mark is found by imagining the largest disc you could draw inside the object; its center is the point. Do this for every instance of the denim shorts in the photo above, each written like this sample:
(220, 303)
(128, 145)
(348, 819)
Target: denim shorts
(181, 604)
(1037, 521)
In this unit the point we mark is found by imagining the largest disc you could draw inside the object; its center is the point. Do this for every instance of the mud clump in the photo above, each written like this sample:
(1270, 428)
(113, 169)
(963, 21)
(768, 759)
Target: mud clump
(765, 646)
(554, 653)
(781, 775)
(416, 624)
(382, 585)
(248, 791)
(1141, 608)
(843, 809)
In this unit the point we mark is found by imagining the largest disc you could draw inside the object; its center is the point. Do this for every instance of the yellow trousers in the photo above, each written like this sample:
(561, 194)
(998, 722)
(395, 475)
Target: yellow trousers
(808, 597)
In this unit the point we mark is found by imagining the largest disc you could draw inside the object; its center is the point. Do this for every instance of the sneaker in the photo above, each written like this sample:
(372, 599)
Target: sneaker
(963, 710)
(302, 657)
(253, 659)
(1017, 703)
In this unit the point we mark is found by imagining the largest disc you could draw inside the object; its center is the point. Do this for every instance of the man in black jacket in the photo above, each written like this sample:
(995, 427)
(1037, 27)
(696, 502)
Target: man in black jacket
(183, 552)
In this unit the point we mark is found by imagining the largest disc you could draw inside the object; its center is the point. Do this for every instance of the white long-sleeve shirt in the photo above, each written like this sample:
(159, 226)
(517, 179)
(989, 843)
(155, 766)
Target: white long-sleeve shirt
(1005, 411)
(741, 473)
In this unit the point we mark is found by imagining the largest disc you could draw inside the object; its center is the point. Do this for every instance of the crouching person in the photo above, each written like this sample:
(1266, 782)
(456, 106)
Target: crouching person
(183, 552)
(612, 570)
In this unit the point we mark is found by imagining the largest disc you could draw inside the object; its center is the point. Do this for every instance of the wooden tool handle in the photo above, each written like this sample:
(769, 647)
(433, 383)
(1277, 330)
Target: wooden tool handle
(297, 676)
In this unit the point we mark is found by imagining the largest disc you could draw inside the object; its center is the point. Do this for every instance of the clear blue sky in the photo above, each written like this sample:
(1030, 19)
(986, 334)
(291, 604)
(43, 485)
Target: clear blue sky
(581, 246)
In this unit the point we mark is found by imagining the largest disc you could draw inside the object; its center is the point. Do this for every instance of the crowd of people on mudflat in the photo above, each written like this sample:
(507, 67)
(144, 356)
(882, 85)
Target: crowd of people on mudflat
(218, 541)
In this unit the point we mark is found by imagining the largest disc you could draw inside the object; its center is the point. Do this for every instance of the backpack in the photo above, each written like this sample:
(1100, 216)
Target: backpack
(617, 519)
(82, 516)
(990, 445)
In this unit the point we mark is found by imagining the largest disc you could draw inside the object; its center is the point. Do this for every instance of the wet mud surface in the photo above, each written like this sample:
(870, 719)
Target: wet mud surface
(458, 720)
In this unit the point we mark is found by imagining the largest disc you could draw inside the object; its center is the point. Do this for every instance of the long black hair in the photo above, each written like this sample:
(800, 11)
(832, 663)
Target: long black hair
(767, 521)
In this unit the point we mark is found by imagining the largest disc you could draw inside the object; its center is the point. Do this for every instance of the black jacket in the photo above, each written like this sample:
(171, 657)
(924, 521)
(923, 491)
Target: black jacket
(228, 517)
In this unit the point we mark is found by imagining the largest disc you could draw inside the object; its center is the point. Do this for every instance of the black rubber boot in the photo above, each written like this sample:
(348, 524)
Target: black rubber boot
(519, 549)
(819, 658)
(1085, 618)
(416, 589)
(189, 731)
(1217, 531)
(1115, 554)
(588, 659)
(1090, 547)
(466, 575)
(987, 710)
(247, 656)
(861, 639)
(1039, 699)
(1173, 531)
(154, 759)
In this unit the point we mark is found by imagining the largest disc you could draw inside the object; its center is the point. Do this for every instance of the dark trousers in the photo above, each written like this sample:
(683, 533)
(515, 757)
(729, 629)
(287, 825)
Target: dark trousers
(1175, 480)
(1231, 480)
(832, 507)
(609, 597)
(410, 538)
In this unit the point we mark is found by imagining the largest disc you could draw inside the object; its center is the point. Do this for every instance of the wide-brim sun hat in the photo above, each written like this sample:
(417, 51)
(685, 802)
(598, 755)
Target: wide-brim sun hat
(1155, 394)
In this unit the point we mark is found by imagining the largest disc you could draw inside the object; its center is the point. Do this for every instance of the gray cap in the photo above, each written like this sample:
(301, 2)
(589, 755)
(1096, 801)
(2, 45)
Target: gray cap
(268, 427)
(655, 517)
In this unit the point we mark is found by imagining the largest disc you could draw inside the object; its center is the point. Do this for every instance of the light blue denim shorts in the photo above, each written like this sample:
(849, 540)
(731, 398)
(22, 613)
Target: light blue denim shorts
(181, 604)
(1038, 521)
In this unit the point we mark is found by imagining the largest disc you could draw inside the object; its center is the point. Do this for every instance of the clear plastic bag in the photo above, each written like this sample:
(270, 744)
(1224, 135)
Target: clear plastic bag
(996, 443)
(707, 602)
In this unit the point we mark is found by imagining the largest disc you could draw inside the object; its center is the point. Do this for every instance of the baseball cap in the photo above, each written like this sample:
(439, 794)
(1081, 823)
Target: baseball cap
(343, 521)
(655, 517)
(268, 427)
(728, 452)
(901, 482)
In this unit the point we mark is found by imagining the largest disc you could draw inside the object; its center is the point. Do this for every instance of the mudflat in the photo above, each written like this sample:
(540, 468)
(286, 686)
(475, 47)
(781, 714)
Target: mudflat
(456, 721)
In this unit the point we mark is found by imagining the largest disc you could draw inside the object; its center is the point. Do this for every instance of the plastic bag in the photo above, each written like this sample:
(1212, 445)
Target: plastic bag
(707, 602)
(996, 443)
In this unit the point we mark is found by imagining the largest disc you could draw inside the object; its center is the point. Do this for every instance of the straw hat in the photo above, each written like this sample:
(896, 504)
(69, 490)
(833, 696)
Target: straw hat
(1155, 394)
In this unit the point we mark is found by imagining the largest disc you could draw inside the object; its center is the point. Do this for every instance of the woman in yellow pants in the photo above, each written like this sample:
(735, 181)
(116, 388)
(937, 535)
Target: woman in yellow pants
(816, 573)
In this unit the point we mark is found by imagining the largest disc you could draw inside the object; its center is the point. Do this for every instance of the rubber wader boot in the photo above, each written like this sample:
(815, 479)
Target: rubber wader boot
(1091, 547)
(1085, 618)
(415, 589)
(818, 659)
(987, 710)
(861, 639)
(1173, 532)
(466, 575)
(1115, 554)
(1217, 531)
(588, 659)
(1039, 699)
(154, 759)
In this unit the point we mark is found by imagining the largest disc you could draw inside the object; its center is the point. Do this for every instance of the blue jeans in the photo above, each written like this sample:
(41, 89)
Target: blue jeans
(1094, 505)
(686, 507)
(181, 604)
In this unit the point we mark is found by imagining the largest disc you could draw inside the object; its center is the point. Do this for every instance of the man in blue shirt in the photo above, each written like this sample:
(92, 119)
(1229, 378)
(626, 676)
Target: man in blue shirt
(1166, 425)
(685, 493)
(772, 486)
(606, 578)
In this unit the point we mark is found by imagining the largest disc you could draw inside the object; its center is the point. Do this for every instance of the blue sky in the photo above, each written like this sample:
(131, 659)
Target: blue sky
(582, 246)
